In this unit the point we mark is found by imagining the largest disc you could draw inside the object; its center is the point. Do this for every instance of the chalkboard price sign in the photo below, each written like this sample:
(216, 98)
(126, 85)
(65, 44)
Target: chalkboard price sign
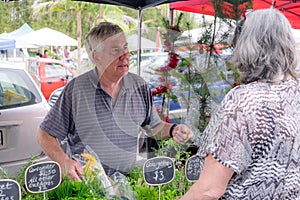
(193, 168)
(159, 170)
(9, 190)
(42, 177)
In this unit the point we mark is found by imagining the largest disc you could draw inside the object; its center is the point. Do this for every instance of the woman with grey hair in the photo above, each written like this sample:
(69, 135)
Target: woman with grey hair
(252, 143)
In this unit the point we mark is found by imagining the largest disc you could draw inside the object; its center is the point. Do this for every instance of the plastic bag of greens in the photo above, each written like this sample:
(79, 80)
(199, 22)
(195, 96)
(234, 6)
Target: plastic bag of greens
(92, 168)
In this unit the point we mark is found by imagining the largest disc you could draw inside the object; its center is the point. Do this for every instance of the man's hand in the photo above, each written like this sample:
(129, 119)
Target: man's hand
(182, 134)
(72, 169)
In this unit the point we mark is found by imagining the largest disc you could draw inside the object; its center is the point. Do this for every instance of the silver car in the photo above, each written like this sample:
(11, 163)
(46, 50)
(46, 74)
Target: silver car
(22, 108)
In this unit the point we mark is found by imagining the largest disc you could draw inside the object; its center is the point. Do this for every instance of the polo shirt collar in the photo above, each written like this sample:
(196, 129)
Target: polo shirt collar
(93, 76)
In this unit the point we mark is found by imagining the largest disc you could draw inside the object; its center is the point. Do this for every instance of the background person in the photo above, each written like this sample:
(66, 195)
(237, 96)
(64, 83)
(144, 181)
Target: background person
(104, 108)
(55, 53)
(67, 54)
(252, 142)
(45, 55)
(38, 53)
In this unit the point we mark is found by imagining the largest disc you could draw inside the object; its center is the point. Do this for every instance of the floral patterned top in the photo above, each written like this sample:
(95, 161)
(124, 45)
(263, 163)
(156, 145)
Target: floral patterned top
(256, 133)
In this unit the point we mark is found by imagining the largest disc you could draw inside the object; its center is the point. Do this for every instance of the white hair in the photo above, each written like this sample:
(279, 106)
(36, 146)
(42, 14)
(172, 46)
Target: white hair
(266, 48)
(98, 34)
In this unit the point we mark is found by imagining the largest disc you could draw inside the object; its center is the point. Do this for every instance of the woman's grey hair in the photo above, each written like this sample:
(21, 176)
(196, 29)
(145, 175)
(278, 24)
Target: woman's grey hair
(266, 48)
(237, 32)
(98, 34)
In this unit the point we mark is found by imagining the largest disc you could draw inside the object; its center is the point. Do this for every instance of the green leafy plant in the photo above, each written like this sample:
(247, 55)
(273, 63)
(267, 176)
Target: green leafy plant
(70, 189)
(21, 174)
(3, 173)
(165, 192)
(144, 191)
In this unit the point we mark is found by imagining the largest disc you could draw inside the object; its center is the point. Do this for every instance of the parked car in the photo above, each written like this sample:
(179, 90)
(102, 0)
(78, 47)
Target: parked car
(54, 96)
(49, 74)
(22, 108)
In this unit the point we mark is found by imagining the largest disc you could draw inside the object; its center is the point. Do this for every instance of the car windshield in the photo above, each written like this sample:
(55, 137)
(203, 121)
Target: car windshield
(56, 71)
(16, 89)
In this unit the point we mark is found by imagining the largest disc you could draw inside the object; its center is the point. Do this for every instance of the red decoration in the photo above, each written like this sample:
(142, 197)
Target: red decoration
(235, 84)
(170, 37)
(172, 64)
(159, 90)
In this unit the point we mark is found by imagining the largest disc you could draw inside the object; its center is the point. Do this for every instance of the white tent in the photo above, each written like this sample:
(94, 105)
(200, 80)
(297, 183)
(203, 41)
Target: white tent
(196, 34)
(146, 44)
(296, 33)
(24, 29)
(48, 37)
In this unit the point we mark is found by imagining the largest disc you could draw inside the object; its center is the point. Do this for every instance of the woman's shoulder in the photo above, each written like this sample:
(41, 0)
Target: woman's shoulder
(241, 94)
(242, 89)
(250, 88)
(257, 90)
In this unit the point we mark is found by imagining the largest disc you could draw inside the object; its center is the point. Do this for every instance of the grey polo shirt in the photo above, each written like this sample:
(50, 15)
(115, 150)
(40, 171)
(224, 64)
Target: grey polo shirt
(86, 115)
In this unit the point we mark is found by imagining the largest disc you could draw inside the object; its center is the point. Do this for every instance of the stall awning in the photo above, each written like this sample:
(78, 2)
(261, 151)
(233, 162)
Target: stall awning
(7, 44)
(290, 8)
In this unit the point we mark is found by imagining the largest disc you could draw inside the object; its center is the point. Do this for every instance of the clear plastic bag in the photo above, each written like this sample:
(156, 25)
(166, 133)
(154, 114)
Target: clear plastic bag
(93, 169)
(115, 186)
(124, 188)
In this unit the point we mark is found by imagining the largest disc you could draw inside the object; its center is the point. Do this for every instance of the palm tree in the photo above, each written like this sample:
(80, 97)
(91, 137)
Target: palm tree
(66, 10)
(87, 12)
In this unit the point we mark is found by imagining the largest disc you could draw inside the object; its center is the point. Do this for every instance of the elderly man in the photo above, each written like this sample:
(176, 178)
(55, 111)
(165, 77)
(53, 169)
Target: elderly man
(104, 108)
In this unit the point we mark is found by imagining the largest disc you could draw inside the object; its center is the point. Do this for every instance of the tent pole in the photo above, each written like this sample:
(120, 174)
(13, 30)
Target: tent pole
(171, 16)
(139, 41)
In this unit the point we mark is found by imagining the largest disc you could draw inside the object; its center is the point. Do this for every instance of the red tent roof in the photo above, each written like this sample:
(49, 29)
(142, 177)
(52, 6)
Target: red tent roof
(290, 8)
(195, 6)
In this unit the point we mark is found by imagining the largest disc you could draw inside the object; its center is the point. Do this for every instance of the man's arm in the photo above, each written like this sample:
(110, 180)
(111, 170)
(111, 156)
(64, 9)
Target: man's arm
(53, 150)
